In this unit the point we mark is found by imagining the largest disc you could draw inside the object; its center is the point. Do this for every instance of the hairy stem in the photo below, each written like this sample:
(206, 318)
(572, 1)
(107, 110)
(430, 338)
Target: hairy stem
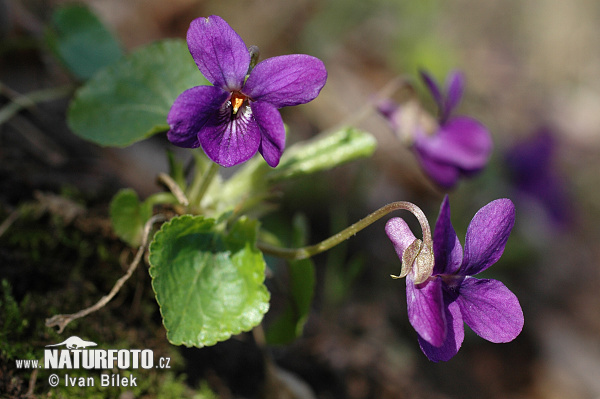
(312, 250)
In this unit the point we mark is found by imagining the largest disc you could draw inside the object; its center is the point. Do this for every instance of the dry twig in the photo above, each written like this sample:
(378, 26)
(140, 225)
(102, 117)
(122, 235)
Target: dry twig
(62, 320)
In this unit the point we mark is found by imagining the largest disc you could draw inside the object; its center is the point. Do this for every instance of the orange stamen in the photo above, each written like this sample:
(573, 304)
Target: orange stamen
(237, 99)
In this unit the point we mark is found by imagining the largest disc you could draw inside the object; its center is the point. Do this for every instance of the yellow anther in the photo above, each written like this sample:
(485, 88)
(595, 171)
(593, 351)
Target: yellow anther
(237, 100)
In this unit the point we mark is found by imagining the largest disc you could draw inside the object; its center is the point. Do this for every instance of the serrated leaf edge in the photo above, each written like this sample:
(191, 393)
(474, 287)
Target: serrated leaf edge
(244, 327)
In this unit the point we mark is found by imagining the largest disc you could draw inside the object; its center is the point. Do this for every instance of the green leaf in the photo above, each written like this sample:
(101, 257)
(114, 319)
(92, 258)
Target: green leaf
(128, 216)
(129, 101)
(81, 41)
(291, 322)
(250, 186)
(209, 284)
(324, 152)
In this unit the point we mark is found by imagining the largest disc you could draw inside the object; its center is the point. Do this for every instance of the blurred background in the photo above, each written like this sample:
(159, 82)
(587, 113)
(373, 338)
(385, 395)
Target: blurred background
(532, 77)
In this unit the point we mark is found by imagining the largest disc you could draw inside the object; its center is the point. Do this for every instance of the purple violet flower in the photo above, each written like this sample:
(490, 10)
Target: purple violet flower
(438, 307)
(532, 170)
(238, 115)
(448, 147)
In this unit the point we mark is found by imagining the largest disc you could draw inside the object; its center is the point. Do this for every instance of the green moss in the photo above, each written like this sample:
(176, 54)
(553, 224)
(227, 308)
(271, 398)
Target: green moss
(57, 267)
(13, 325)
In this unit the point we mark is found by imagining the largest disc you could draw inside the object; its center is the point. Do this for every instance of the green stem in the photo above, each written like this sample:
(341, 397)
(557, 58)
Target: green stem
(200, 186)
(307, 252)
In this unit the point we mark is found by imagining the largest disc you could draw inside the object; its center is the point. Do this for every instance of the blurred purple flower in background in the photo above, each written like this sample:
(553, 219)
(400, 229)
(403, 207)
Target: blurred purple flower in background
(446, 147)
(531, 169)
(438, 307)
(238, 115)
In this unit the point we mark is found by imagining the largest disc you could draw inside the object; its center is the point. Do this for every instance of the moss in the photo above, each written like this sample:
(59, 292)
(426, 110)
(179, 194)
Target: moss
(51, 266)
(13, 325)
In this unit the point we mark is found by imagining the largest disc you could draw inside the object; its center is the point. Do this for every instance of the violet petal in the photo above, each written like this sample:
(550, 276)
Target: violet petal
(272, 131)
(533, 173)
(490, 309)
(454, 91)
(487, 235)
(434, 89)
(389, 109)
(426, 309)
(400, 234)
(219, 52)
(229, 139)
(454, 337)
(533, 153)
(446, 246)
(461, 141)
(190, 112)
(444, 174)
(286, 80)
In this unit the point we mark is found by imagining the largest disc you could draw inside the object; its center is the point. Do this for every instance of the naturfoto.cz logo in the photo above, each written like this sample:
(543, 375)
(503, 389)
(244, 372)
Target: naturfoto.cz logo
(78, 354)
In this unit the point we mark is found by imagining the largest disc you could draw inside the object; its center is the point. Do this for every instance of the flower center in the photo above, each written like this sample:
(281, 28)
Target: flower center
(452, 281)
(237, 100)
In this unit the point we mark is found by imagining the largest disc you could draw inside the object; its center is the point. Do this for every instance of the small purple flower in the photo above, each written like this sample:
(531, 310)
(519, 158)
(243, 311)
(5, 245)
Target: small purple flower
(238, 115)
(448, 147)
(532, 170)
(438, 307)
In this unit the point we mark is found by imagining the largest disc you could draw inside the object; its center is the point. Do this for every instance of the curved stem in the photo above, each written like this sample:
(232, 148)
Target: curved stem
(311, 250)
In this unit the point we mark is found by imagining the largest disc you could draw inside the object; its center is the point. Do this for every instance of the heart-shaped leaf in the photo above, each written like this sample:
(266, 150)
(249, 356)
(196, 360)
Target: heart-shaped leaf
(128, 216)
(129, 101)
(209, 284)
(81, 41)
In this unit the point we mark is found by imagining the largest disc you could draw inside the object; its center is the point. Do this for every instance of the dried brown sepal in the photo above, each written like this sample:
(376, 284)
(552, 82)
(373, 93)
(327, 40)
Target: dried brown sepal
(408, 258)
